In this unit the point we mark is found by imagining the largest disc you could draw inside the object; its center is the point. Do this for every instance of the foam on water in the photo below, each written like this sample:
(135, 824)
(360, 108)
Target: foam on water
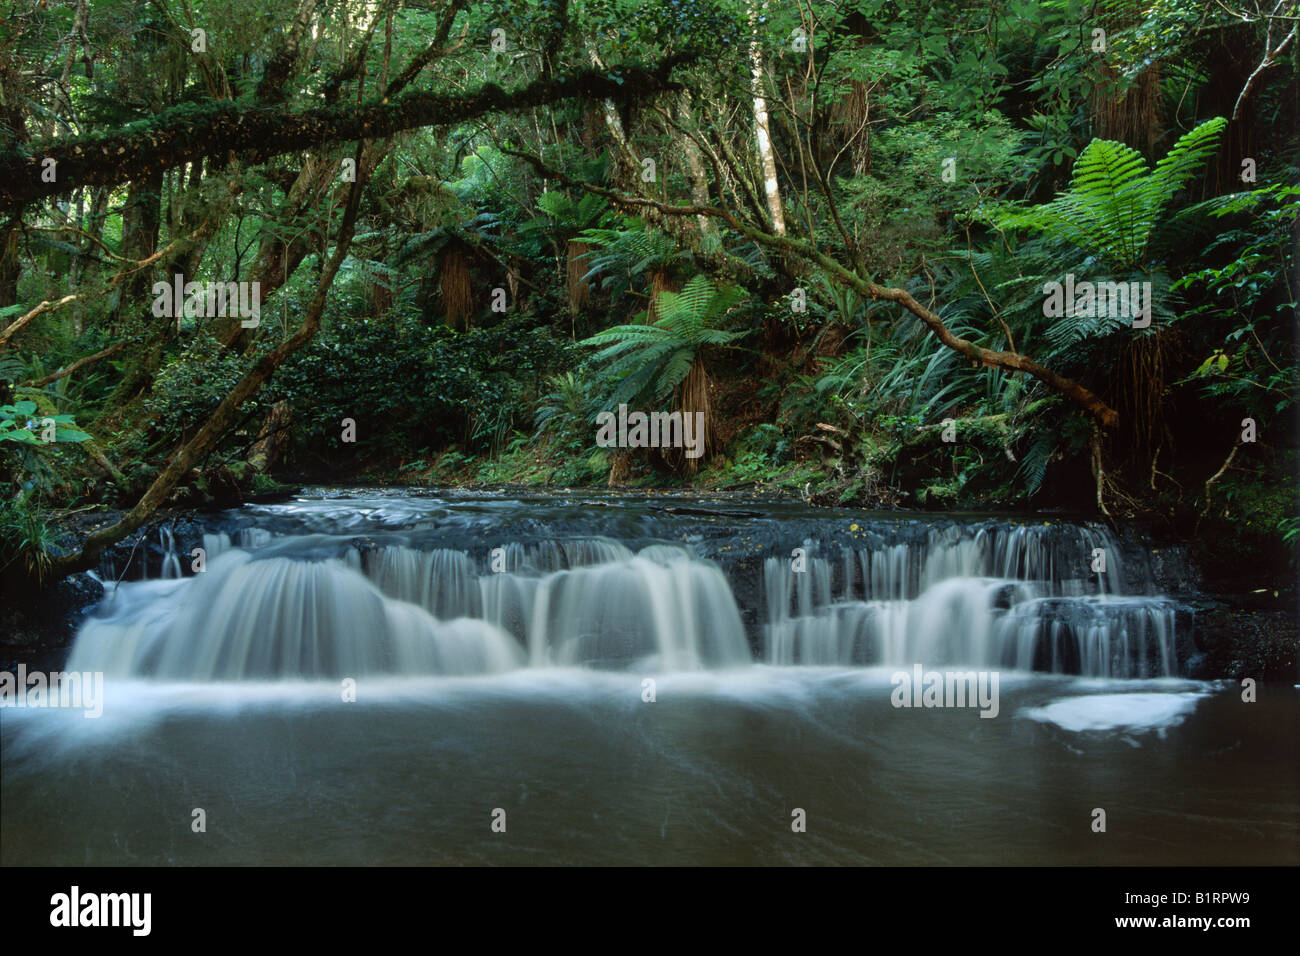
(1133, 713)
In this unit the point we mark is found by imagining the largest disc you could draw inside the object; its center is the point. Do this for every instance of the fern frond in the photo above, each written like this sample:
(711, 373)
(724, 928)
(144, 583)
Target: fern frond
(674, 372)
(1114, 203)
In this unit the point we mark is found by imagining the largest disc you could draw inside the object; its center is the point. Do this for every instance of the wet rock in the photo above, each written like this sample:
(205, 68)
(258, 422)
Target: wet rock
(39, 630)
(1237, 642)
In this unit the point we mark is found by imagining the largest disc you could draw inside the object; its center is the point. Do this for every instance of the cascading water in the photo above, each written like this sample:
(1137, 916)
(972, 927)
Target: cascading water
(395, 610)
(171, 566)
(246, 538)
(1022, 597)
(280, 618)
(580, 601)
(1049, 597)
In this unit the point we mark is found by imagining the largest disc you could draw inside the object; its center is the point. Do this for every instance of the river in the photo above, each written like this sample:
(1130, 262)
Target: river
(383, 677)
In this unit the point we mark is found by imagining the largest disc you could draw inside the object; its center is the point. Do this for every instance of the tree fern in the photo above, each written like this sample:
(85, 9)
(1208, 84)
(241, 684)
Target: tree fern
(373, 271)
(421, 245)
(1115, 201)
(1033, 466)
(625, 253)
(11, 369)
(648, 362)
(586, 213)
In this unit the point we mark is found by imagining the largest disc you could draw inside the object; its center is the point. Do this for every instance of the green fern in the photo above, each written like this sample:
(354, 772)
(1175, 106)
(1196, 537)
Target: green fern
(11, 369)
(1034, 464)
(1115, 201)
(373, 271)
(626, 253)
(648, 362)
(586, 213)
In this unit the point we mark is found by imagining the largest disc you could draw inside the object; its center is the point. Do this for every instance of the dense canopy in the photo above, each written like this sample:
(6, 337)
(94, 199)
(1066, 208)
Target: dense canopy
(1013, 255)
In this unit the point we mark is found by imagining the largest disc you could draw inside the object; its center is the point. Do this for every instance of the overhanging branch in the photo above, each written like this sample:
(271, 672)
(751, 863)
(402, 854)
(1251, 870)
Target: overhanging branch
(257, 131)
(1013, 361)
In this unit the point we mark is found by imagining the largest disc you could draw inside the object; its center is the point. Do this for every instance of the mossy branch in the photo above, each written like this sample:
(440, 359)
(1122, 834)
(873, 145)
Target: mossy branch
(258, 131)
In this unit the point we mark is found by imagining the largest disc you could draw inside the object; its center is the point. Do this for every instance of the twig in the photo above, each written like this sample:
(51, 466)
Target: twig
(1270, 57)
(1216, 476)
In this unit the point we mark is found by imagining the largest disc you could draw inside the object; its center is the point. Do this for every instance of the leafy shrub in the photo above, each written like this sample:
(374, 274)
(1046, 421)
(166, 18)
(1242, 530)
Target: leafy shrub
(412, 386)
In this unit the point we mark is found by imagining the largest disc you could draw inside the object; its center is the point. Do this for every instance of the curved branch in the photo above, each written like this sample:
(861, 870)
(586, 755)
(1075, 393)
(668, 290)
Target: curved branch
(205, 229)
(1014, 361)
(79, 363)
(49, 305)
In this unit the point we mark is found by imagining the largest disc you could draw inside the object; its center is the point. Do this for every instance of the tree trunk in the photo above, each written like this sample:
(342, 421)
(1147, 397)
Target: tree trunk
(695, 167)
(141, 220)
(763, 130)
(272, 438)
(10, 265)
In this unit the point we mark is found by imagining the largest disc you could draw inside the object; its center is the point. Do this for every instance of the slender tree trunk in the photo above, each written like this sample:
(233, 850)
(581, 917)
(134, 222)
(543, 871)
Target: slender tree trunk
(763, 129)
(141, 221)
(695, 166)
(626, 162)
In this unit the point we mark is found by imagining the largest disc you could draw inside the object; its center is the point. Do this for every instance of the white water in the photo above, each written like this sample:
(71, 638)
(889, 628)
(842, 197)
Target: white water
(400, 611)
(171, 567)
(306, 606)
(275, 618)
(1024, 598)
(1132, 712)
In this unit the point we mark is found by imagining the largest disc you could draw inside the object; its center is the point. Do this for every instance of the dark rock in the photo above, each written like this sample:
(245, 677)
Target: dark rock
(1239, 643)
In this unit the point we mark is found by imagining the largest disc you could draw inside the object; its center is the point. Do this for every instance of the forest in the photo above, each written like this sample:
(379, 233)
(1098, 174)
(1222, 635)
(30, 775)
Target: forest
(1018, 257)
(650, 432)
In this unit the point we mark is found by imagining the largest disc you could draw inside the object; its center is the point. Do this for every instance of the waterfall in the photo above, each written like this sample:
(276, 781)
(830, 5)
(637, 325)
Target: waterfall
(395, 610)
(250, 539)
(1057, 597)
(280, 618)
(1023, 597)
(444, 583)
(171, 565)
(586, 602)
(676, 615)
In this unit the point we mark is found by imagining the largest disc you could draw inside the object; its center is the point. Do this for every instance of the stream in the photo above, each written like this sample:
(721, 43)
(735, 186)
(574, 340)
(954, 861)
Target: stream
(370, 676)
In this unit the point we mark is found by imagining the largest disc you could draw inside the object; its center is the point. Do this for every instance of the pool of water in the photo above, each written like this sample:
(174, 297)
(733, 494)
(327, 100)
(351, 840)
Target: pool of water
(398, 679)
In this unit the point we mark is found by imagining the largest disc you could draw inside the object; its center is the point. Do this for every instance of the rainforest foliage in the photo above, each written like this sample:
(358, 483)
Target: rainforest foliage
(1008, 255)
